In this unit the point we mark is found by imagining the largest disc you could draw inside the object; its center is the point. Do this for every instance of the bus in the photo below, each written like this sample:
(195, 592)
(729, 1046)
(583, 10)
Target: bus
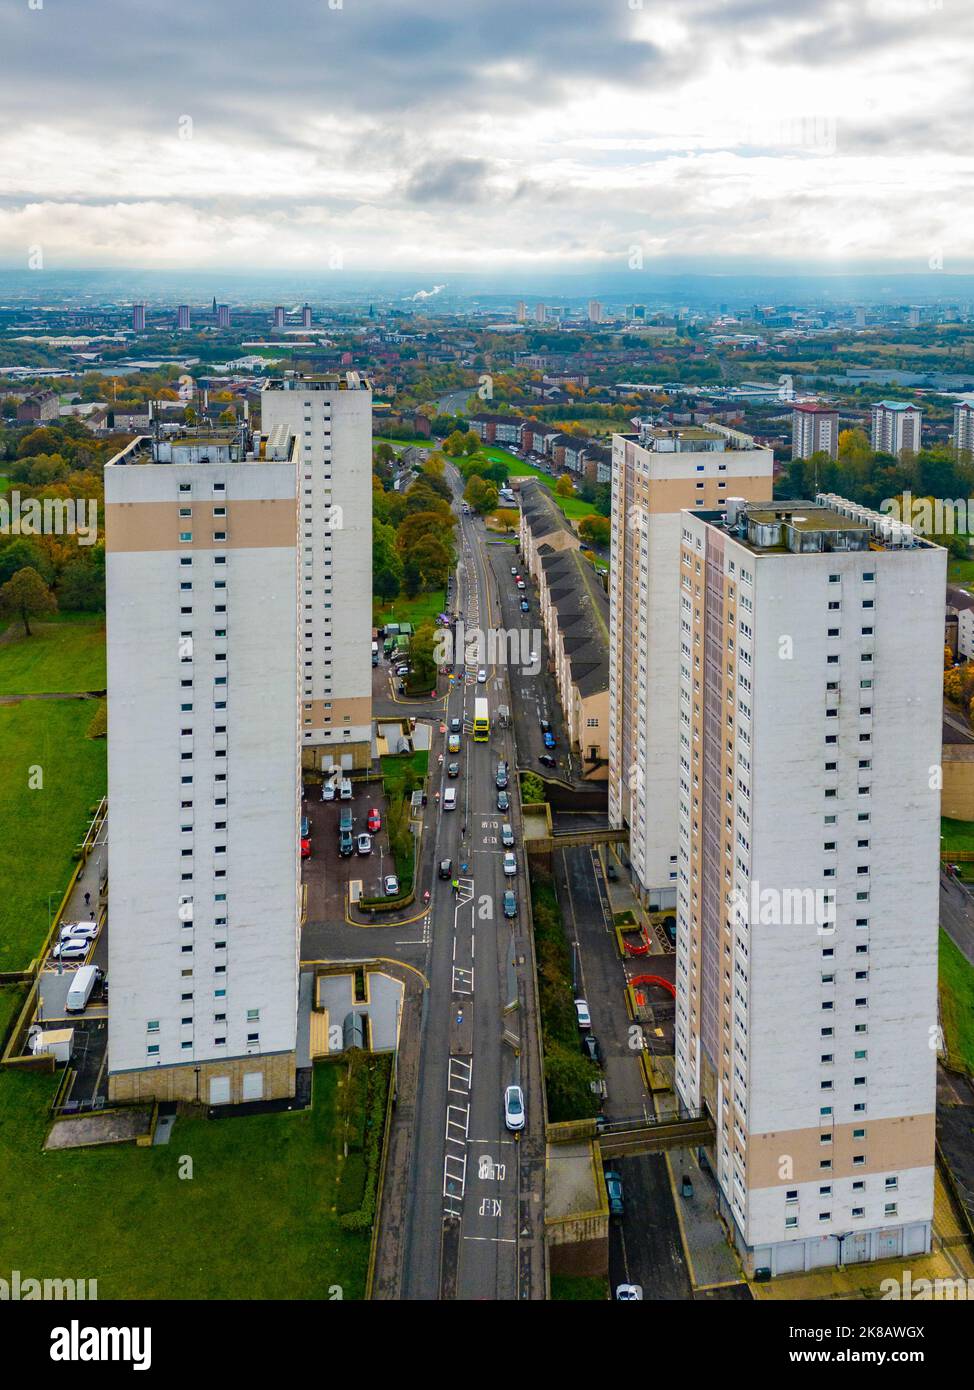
(481, 721)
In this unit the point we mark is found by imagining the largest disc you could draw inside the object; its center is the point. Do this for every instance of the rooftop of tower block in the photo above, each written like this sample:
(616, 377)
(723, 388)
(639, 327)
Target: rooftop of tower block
(318, 381)
(201, 446)
(690, 439)
(830, 523)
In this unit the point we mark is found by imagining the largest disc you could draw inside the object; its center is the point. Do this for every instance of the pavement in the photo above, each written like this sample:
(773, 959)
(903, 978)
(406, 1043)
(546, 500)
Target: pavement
(957, 914)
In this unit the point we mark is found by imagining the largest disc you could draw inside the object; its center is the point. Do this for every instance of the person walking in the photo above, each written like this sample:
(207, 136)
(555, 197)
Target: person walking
(87, 900)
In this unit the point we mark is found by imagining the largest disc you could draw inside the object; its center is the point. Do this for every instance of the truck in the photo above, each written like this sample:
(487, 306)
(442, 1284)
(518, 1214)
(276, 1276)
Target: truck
(81, 988)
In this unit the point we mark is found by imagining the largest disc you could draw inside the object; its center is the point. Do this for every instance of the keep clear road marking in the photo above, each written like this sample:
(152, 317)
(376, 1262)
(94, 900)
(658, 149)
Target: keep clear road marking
(460, 1076)
(462, 980)
(457, 1124)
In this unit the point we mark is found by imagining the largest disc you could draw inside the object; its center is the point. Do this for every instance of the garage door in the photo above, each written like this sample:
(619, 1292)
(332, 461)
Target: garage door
(789, 1258)
(253, 1085)
(219, 1090)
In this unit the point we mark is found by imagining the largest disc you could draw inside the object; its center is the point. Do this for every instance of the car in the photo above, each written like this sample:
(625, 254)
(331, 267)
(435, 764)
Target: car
(544, 726)
(613, 1187)
(507, 836)
(525, 606)
(582, 1014)
(629, 1293)
(401, 687)
(74, 948)
(374, 820)
(329, 789)
(510, 863)
(345, 790)
(611, 872)
(547, 760)
(514, 570)
(305, 828)
(514, 1108)
(591, 1049)
(517, 577)
(510, 904)
(453, 743)
(456, 726)
(446, 868)
(77, 931)
(390, 885)
(500, 781)
(363, 845)
(305, 847)
(401, 670)
(549, 739)
(503, 801)
(453, 769)
(482, 675)
(533, 659)
(521, 584)
(346, 843)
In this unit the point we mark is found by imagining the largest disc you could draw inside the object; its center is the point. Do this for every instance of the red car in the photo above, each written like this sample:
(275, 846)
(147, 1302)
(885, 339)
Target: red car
(305, 849)
(375, 820)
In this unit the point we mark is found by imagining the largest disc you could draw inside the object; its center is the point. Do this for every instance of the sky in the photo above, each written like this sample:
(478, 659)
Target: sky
(486, 135)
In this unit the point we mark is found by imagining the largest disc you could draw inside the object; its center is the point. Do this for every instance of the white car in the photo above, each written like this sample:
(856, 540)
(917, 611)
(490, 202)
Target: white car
(482, 676)
(363, 844)
(582, 1014)
(78, 931)
(514, 1108)
(510, 864)
(629, 1293)
(72, 949)
(329, 789)
(344, 790)
(391, 885)
(533, 659)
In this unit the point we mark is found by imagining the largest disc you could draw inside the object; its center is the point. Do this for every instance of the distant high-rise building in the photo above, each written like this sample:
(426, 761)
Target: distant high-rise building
(138, 318)
(332, 416)
(914, 317)
(654, 476)
(182, 317)
(594, 311)
(860, 318)
(896, 427)
(201, 541)
(807, 918)
(636, 311)
(306, 316)
(521, 312)
(223, 316)
(814, 429)
(279, 316)
(540, 313)
(964, 426)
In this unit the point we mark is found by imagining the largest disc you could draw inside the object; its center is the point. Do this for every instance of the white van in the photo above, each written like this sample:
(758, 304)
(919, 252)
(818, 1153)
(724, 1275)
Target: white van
(83, 983)
(450, 799)
(345, 790)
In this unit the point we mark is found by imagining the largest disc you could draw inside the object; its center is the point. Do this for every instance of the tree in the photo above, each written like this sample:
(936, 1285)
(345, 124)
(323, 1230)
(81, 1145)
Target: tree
(22, 554)
(454, 444)
(481, 495)
(595, 529)
(27, 596)
(508, 516)
(564, 486)
(82, 584)
(421, 657)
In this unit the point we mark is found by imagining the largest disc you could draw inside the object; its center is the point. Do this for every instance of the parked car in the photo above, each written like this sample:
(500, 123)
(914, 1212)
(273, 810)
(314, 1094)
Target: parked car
(305, 828)
(514, 1108)
(510, 904)
(525, 606)
(547, 760)
(611, 872)
(582, 1014)
(544, 726)
(453, 769)
(549, 739)
(305, 847)
(390, 885)
(329, 789)
(77, 931)
(374, 821)
(503, 801)
(613, 1187)
(521, 584)
(510, 863)
(507, 835)
(363, 844)
(346, 844)
(446, 868)
(74, 948)
(482, 675)
(500, 781)
(591, 1049)
(345, 790)
(514, 570)
(629, 1293)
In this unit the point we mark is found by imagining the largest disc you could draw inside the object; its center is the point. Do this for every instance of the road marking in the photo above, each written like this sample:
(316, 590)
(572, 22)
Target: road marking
(454, 1177)
(460, 1076)
(462, 980)
(457, 1119)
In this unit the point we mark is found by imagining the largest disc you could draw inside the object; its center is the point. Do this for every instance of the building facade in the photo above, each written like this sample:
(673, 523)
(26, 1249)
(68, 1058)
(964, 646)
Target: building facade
(964, 427)
(811, 654)
(331, 418)
(654, 476)
(201, 538)
(814, 429)
(896, 427)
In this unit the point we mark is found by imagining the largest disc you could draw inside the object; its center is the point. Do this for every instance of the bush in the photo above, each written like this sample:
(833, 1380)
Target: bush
(379, 1076)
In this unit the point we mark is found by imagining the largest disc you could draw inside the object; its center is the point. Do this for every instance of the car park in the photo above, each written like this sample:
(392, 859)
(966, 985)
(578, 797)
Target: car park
(73, 948)
(345, 843)
(503, 801)
(510, 863)
(629, 1293)
(591, 1049)
(525, 606)
(453, 743)
(613, 1188)
(446, 868)
(374, 820)
(363, 845)
(482, 675)
(510, 904)
(507, 836)
(547, 760)
(500, 781)
(390, 885)
(453, 769)
(514, 1108)
(305, 847)
(78, 931)
(582, 1014)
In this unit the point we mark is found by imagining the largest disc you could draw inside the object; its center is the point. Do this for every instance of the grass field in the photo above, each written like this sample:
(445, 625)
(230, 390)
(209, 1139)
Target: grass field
(579, 1287)
(957, 1002)
(395, 768)
(64, 654)
(956, 834)
(409, 610)
(960, 571)
(255, 1221)
(42, 826)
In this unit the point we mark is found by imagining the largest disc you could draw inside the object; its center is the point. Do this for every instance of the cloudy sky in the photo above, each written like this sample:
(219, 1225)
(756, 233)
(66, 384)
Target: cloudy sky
(487, 135)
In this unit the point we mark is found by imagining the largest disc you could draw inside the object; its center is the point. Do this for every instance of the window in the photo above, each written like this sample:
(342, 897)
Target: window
(152, 1026)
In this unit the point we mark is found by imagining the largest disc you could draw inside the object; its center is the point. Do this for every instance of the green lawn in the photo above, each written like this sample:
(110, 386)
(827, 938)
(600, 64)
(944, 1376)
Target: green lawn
(409, 610)
(956, 835)
(256, 1220)
(42, 825)
(395, 767)
(960, 571)
(66, 654)
(957, 1002)
(11, 1002)
(578, 1287)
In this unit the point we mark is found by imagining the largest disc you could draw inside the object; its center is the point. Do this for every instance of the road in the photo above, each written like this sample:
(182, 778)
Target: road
(474, 1218)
